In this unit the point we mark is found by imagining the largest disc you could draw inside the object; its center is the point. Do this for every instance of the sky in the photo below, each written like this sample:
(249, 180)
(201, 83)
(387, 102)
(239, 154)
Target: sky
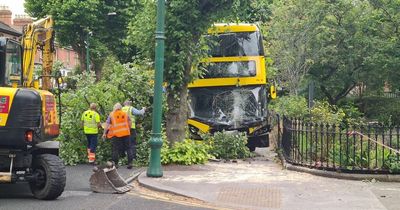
(16, 6)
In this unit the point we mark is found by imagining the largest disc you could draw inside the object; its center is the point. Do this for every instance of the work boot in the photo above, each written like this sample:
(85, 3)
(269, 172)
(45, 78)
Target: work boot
(129, 166)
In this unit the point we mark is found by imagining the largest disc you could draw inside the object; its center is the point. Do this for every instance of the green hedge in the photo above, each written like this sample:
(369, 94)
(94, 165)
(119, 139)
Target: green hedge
(385, 110)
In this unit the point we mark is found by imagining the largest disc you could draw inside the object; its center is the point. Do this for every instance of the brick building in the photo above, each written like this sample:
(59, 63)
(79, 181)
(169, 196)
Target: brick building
(13, 27)
(5, 23)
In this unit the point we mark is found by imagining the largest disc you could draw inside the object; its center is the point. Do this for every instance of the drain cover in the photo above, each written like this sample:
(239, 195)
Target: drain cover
(260, 197)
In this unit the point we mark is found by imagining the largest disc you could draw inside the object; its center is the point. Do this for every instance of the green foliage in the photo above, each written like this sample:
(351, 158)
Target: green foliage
(228, 145)
(290, 106)
(120, 82)
(352, 115)
(323, 112)
(72, 151)
(361, 155)
(290, 40)
(384, 110)
(187, 152)
(338, 44)
(393, 164)
(385, 28)
(103, 153)
(142, 148)
(74, 19)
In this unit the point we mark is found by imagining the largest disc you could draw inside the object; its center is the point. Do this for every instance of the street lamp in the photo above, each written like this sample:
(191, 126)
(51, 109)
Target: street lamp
(87, 51)
(154, 169)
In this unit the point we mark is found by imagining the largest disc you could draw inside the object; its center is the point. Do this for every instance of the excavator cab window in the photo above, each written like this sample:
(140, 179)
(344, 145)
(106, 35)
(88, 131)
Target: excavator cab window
(11, 62)
(13, 68)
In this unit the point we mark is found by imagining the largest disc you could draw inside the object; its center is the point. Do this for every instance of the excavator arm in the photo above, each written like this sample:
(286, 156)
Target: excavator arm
(38, 35)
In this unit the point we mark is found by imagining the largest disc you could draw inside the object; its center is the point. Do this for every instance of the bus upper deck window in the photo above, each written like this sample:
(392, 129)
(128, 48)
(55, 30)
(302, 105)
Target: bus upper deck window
(235, 44)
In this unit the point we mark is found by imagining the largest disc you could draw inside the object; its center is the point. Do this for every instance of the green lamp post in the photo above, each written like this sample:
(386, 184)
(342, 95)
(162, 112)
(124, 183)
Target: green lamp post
(154, 169)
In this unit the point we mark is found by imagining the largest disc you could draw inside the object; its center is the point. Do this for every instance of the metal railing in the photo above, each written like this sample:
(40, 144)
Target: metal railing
(362, 149)
(395, 94)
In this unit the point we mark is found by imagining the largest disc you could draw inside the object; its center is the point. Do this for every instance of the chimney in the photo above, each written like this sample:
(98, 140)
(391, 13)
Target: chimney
(20, 21)
(5, 15)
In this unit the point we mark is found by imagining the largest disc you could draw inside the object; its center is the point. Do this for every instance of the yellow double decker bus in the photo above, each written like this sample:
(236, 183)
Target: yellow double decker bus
(233, 93)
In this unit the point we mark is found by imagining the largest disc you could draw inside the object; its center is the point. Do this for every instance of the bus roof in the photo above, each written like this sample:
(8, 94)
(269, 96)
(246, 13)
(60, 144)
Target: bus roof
(232, 27)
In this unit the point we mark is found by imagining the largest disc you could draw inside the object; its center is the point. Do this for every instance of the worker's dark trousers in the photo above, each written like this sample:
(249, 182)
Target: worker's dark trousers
(92, 142)
(132, 146)
(119, 146)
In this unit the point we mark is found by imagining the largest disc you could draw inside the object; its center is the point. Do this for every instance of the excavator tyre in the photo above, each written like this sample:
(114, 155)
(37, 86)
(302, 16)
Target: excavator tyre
(106, 179)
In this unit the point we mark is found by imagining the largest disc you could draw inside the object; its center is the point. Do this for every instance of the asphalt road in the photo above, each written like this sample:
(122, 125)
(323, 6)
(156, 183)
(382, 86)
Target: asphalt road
(77, 196)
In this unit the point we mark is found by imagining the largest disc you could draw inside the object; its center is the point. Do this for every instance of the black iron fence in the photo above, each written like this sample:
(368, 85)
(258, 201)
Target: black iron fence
(395, 94)
(362, 149)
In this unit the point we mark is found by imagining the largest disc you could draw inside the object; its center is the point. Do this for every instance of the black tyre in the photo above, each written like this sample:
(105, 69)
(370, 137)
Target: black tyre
(251, 145)
(50, 177)
(252, 148)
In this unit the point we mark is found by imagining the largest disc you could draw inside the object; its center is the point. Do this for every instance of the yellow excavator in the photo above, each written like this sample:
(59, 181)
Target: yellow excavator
(28, 116)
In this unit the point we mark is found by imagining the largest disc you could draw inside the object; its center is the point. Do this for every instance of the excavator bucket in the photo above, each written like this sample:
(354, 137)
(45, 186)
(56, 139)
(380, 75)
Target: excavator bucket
(107, 180)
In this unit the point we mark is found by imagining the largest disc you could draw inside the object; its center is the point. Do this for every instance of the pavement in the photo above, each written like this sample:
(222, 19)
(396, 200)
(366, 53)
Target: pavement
(262, 183)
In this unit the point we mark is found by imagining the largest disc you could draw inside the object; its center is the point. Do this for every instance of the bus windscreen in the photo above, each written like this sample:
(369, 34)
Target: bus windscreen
(235, 44)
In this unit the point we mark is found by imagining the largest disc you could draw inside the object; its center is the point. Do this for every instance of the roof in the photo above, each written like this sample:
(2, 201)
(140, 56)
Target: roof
(232, 27)
(8, 30)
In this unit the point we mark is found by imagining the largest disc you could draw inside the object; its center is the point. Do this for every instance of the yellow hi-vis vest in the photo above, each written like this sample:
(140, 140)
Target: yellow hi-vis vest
(128, 110)
(90, 119)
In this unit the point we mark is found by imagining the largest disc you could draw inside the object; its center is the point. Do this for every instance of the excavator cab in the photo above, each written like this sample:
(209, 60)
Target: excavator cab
(10, 63)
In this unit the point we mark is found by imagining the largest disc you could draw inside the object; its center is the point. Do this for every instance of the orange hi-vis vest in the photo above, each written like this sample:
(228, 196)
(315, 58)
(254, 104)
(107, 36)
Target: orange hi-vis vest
(119, 126)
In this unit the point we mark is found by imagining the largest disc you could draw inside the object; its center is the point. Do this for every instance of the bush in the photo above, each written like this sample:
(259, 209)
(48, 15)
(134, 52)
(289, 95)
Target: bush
(290, 106)
(228, 145)
(72, 151)
(187, 152)
(142, 148)
(384, 110)
(322, 112)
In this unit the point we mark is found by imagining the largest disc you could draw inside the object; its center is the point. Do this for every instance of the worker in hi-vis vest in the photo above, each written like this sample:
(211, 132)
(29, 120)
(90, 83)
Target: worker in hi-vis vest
(91, 124)
(131, 111)
(117, 129)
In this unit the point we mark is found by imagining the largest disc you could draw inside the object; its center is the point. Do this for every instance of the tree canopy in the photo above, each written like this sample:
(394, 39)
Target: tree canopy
(340, 45)
(101, 22)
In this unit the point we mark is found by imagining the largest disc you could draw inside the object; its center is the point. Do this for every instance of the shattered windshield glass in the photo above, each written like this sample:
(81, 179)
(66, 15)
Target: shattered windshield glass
(235, 44)
(230, 69)
(232, 106)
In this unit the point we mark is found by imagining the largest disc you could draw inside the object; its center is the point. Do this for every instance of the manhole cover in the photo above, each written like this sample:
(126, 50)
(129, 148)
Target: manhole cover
(260, 197)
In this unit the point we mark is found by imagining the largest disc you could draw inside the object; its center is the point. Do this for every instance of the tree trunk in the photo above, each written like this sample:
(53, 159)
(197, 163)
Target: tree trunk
(98, 66)
(176, 116)
(81, 56)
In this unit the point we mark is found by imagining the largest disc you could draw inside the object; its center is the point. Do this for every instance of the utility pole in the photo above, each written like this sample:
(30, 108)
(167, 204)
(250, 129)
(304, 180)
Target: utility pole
(154, 169)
